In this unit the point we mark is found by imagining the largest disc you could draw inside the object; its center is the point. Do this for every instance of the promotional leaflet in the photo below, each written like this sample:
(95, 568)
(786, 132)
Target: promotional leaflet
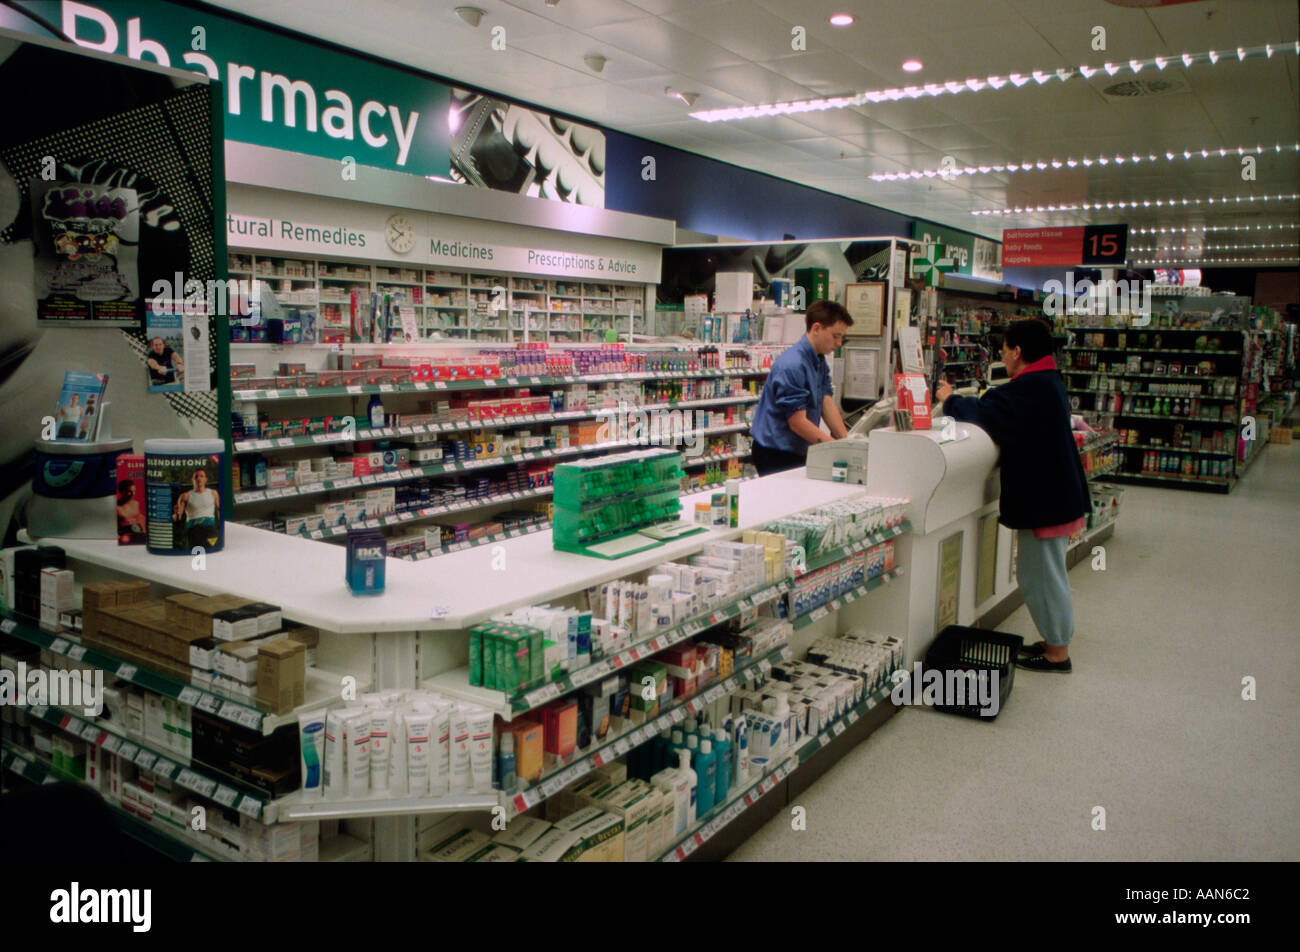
(164, 345)
(87, 239)
(77, 416)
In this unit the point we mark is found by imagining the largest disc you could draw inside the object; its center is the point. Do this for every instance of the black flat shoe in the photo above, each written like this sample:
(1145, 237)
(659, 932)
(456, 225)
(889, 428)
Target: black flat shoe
(1033, 651)
(1040, 663)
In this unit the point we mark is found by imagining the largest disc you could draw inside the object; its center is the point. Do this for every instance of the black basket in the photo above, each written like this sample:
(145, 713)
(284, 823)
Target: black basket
(958, 648)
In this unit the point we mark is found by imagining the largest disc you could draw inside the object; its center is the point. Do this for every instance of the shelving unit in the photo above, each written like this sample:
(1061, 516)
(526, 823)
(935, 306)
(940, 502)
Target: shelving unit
(1206, 401)
(457, 305)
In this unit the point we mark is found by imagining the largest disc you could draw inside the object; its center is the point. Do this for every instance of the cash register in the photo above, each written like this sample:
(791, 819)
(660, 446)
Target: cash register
(845, 461)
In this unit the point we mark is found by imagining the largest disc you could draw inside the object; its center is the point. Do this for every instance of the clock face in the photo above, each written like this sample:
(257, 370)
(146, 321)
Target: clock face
(400, 234)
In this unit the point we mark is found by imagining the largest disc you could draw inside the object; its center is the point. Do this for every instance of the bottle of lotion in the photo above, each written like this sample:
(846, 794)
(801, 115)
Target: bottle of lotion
(706, 769)
(692, 782)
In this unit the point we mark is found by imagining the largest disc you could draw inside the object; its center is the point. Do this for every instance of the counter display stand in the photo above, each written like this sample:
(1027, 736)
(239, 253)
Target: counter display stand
(416, 635)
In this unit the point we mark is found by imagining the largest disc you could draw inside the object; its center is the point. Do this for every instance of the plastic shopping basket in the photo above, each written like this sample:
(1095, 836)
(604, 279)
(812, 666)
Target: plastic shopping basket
(961, 649)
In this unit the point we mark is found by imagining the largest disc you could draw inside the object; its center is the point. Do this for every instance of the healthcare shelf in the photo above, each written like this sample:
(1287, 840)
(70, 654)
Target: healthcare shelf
(835, 604)
(177, 846)
(457, 426)
(322, 686)
(455, 682)
(741, 800)
(296, 807)
(834, 555)
(516, 803)
(200, 779)
(486, 383)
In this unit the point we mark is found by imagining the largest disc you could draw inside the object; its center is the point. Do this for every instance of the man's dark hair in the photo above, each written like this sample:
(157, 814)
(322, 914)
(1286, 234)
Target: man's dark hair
(826, 313)
(1032, 336)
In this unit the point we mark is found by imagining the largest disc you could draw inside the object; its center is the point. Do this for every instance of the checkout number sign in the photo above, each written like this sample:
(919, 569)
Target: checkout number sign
(949, 581)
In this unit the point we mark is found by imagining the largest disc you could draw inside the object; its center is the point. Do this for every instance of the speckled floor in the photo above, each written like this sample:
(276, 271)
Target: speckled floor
(1200, 591)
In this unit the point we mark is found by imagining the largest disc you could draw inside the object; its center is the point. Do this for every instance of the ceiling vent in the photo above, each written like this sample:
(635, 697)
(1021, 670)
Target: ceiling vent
(1138, 88)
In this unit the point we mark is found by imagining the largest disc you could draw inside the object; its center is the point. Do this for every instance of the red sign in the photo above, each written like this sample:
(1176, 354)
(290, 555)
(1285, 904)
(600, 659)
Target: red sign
(1041, 247)
(1071, 245)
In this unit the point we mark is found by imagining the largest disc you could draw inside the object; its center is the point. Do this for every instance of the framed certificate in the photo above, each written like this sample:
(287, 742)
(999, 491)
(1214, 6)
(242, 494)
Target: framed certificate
(865, 303)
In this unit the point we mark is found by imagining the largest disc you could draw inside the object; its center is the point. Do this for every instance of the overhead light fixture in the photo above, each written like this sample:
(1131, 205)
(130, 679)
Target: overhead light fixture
(688, 98)
(1194, 229)
(1140, 203)
(992, 82)
(1088, 161)
(841, 19)
(595, 62)
(471, 15)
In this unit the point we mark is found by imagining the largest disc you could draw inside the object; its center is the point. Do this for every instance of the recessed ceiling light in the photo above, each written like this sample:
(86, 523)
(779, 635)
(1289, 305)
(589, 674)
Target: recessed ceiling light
(471, 15)
(841, 19)
(912, 66)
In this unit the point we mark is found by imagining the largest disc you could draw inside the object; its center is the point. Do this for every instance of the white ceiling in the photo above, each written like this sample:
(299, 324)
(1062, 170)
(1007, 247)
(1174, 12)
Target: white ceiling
(738, 52)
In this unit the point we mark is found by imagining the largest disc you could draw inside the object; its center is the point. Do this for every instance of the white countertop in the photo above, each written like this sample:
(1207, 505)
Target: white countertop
(453, 591)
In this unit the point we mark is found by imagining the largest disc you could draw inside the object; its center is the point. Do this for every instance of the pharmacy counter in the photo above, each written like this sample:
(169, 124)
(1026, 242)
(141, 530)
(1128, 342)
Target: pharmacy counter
(454, 591)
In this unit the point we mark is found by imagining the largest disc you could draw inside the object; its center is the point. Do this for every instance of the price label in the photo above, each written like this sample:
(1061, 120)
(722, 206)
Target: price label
(300, 392)
(145, 759)
(89, 732)
(421, 385)
(369, 477)
(58, 645)
(225, 795)
(8, 626)
(188, 778)
(229, 711)
(818, 613)
(440, 385)
(871, 702)
(250, 807)
(439, 611)
(250, 718)
(512, 381)
(322, 437)
(385, 388)
(77, 652)
(838, 728)
(852, 717)
(112, 743)
(128, 750)
(543, 695)
(126, 671)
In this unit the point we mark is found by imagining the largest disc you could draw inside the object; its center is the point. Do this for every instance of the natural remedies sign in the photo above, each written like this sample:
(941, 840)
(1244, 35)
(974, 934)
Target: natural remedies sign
(280, 92)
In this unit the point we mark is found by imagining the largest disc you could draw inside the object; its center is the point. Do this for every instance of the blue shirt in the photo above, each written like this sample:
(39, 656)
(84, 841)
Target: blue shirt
(799, 380)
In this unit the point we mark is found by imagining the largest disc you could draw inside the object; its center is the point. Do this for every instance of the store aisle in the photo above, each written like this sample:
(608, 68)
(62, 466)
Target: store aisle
(1199, 591)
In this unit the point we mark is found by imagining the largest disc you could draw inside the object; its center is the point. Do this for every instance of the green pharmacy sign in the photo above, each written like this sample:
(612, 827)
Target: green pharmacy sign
(279, 91)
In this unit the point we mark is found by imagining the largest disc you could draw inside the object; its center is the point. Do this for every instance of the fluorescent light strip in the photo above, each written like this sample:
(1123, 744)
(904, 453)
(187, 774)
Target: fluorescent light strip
(1144, 203)
(1191, 229)
(954, 87)
(1185, 262)
(1201, 248)
(1086, 161)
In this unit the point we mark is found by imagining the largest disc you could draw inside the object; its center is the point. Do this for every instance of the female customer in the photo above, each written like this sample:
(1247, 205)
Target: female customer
(1044, 488)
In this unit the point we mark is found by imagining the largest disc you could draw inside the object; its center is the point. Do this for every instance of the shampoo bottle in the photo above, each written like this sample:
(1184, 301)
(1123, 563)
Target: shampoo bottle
(722, 747)
(741, 771)
(684, 769)
(506, 762)
(376, 412)
(706, 769)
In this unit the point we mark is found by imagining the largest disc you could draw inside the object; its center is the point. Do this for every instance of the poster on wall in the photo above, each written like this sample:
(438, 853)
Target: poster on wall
(87, 239)
(949, 581)
(163, 360)
(865, 303)
(501, 145)
(988, 560)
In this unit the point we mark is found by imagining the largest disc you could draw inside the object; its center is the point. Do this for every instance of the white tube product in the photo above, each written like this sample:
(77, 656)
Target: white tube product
(440, 750)
(480, 750)
(397, 755)
(741, 750)
(334, 780)
(459, 778)
(311, 751)
(419, 751)
(381, 726)
(357, 740)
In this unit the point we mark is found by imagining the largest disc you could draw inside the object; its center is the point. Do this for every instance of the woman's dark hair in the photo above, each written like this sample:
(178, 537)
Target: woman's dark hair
(1032, 336)
(125, 489)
